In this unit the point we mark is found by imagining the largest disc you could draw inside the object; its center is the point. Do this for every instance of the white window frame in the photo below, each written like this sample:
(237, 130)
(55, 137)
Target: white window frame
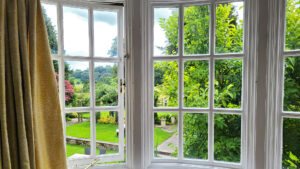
(249, 74)
(91, 59)
(275, 98)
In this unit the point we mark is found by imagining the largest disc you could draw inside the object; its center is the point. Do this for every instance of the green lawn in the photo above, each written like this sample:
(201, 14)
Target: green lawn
(160, 136)
(79, 149)
(104, 132)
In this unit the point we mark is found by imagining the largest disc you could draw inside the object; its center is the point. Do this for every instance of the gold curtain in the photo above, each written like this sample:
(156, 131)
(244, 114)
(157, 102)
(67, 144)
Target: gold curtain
(31, 131)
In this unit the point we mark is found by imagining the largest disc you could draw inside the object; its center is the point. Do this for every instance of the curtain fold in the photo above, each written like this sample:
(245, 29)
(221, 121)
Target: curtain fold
(31, 130)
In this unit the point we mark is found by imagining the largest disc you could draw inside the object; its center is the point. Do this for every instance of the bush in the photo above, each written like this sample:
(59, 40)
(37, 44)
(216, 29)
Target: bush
(107, 120)
(71, 115)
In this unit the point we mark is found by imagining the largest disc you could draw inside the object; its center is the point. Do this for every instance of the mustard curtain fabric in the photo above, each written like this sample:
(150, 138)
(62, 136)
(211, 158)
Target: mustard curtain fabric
(31, 131)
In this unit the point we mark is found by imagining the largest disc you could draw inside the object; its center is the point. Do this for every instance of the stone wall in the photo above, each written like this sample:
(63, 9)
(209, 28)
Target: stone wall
(99, 144)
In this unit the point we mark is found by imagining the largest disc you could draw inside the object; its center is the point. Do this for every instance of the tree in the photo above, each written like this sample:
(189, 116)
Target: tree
(52, 34)
(229, 33)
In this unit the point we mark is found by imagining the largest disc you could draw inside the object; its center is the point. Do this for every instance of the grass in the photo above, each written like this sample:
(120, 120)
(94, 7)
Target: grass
(160, 136)
(79, 149)
(104, 132)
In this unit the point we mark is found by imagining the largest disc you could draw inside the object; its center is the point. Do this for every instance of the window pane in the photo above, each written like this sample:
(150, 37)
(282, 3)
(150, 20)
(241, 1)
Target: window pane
(107, 132)
(290, 145)
(165, 135)
(195, 135)
(227, 136)
(292, 84)
(77, 84)
(196, 30)
(229, 27)
(165, 31)
(106, 84)
(106, 33)
(228, 83)
(196, 81)
(56, 66)
(165, 84)
(292, 35)
(76, 32)
(50, 18)
(78, 134)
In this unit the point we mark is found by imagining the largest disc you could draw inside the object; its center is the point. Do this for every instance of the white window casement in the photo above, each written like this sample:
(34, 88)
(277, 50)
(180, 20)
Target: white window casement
(283, 78)
(178, 99)
(86, 41)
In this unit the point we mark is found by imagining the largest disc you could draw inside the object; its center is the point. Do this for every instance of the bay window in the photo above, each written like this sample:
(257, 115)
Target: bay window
(86, 41)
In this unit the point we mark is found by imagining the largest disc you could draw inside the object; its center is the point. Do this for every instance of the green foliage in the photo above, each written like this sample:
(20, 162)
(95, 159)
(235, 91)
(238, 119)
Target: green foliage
(195, 140)
(170, 26)
(196, 81)
(229, 39)
(291, 146)
(196, 24)
(107, 120)
(52, 34)
(292, 37)
(227, 135)
(228, 83)
(292, 84)
(229, 31)
(166, 84)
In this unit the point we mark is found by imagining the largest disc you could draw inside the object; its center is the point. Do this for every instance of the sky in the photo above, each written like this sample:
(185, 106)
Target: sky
(76, 33)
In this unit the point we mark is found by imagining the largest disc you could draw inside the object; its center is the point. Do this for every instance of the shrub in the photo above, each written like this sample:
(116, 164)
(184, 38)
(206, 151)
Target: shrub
(71, 115)
(107, 120)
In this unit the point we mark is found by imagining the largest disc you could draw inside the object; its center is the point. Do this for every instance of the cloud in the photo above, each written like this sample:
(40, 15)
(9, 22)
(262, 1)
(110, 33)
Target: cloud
(106, 16)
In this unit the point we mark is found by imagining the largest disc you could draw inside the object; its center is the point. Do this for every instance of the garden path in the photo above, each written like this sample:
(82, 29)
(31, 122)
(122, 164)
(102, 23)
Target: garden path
(168, 146)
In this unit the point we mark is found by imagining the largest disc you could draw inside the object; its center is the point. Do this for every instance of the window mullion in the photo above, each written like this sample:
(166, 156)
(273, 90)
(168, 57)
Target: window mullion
(180, 89)
(92, 83)
(211, 85)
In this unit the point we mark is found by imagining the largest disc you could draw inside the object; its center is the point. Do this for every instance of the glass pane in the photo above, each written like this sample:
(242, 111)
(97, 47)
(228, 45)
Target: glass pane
(229, 27)
(292, 35)
(106, 84)
(77, 84)
(196, 30)
(195, 135)
(165, 31)
(196, 81)
(228, 83)
(290, 145)
(292, 84)
(227, 135)
(50, 18)
(76, 32)
(106, 33)
(78, 133)
(165, 84)
(165, 135)
(107, 132)
(56, 66)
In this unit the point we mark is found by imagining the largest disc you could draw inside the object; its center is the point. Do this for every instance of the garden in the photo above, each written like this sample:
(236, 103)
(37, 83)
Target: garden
(227, 88)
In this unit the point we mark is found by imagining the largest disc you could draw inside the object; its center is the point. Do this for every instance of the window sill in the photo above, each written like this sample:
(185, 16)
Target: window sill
(181, 166)
(110, 166)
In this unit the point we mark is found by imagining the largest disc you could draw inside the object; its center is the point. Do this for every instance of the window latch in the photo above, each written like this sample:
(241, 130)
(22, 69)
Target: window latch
(122, 83)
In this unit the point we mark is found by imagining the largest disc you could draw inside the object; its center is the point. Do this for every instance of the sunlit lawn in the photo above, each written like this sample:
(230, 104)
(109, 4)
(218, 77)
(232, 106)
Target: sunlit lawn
(160, 136)
(79, 149)
(107, 132)
(104, 132)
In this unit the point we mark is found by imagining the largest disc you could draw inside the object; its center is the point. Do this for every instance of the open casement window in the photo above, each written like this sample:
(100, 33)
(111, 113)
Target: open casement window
(198, 56)
(289, 105)
(86, 41)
